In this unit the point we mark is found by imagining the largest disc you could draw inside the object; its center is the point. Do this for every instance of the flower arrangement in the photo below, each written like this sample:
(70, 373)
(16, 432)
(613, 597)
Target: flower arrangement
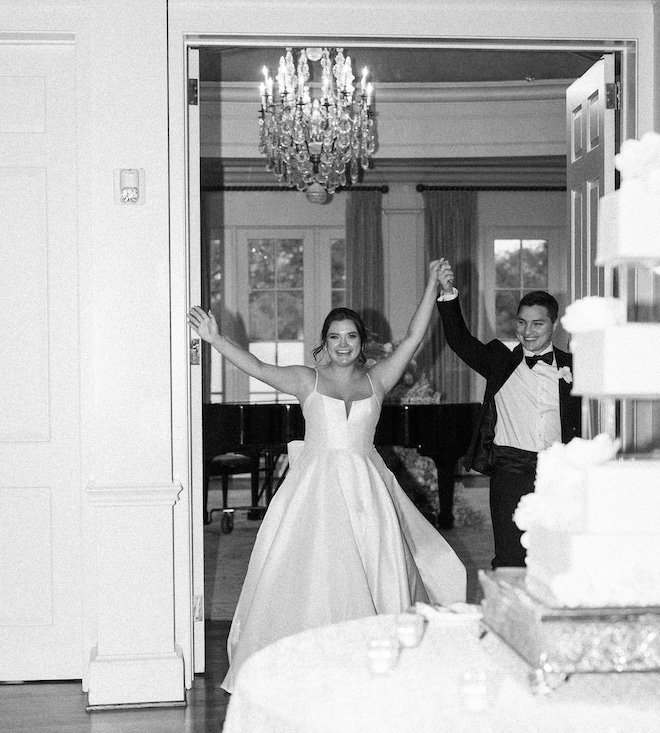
(418, 475)
(412, 388)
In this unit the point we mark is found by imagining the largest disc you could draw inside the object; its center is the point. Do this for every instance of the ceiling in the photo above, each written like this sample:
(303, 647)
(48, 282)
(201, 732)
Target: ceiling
(408, 65)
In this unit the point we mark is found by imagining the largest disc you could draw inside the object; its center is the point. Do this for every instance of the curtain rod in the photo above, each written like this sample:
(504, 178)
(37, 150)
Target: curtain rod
(421, 187)
(287, 189)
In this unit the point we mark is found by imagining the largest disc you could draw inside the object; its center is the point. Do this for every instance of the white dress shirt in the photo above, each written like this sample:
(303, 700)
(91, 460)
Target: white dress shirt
(528, 406)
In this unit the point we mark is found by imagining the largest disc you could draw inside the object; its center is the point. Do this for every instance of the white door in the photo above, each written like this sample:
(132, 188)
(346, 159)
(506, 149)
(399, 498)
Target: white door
(590, 170)
(195, 298)
(591, 127)
(40, 487)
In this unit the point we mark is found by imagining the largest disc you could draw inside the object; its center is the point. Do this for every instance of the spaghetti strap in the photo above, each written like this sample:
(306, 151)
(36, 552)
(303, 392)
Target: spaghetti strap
(373, 391)
(316, 381)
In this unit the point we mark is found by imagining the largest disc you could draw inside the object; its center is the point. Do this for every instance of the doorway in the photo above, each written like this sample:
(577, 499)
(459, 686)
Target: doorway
(625, 52)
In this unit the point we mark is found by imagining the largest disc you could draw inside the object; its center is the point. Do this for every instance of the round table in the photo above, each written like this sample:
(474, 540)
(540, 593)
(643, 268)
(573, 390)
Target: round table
(458, 679)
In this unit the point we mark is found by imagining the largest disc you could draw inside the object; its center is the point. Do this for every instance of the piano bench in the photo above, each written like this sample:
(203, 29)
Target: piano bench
(224, 466)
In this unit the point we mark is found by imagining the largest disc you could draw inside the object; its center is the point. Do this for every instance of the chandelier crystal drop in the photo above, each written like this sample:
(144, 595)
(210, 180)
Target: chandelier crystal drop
(324, 140)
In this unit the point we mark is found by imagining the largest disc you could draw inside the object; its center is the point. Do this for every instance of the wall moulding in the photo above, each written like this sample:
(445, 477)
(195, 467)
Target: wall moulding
(531, 171)
(214, 92)
(152, 494)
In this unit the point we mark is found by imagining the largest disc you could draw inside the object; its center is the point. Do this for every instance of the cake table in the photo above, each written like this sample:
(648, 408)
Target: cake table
(457, 680)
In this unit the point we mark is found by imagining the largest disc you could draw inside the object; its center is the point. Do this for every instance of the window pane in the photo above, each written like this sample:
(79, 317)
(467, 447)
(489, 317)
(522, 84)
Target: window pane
(338, 263)
(262, 316)
(290, 352)
(261, 263)
(290, 315)
(506, 308)
(338, 273)
(265, 350)
(507, 263)
(534, 264)
(261, 392)
(290, 263)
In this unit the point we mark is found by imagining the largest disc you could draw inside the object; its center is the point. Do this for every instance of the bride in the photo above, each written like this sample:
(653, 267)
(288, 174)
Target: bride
(340, 540)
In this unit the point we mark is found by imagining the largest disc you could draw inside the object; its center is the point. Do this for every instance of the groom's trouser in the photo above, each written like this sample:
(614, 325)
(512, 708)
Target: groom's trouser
(513, 475)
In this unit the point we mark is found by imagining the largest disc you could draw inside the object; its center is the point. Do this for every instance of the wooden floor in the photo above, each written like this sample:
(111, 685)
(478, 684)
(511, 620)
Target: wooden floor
(59, 707)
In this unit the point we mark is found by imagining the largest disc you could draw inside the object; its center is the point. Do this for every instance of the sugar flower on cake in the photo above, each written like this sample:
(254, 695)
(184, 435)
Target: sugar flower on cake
(561, 471)
(594, 313)
(640, 158)
(583, 453)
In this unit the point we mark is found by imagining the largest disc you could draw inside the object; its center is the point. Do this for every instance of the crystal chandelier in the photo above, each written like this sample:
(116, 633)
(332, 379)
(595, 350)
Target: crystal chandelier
(316, 144)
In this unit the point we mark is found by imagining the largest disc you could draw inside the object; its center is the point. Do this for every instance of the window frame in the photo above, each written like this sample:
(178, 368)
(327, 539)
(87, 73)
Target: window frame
(557, 268)
(316, 291)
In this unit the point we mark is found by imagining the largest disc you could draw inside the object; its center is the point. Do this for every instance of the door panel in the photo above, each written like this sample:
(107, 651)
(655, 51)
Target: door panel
(590, 170)
(40, 491)
(591, 126)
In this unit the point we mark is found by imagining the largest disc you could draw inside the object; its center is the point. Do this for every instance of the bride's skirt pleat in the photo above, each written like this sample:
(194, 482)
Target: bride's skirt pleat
(340, 540)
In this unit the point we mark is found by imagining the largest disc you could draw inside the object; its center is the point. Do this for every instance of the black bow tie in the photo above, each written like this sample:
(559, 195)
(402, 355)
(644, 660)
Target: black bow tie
(531, 360)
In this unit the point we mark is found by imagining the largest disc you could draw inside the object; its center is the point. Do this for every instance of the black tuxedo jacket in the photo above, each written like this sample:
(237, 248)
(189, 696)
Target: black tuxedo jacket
(496, 362)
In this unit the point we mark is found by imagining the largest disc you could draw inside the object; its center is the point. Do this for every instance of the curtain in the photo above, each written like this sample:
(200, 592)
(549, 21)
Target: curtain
(450, 231)
(364, 261)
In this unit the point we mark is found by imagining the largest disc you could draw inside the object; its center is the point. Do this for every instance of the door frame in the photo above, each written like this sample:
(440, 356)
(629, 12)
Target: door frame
(626, 53)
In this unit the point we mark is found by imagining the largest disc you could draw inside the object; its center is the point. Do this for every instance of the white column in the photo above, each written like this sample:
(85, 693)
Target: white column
(135, 660)
(405, 271)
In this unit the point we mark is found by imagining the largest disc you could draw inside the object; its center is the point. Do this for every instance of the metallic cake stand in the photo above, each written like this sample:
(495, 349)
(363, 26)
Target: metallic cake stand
(559, 642)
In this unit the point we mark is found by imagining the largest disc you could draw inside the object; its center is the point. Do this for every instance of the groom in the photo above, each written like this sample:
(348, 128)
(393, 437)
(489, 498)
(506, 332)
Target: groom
(527, 404)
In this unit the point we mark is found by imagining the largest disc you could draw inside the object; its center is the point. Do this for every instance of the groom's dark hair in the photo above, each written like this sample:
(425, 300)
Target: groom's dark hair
(540, 297)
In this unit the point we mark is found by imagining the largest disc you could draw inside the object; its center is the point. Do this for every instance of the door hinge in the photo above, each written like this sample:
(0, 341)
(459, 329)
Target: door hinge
(195, 352)
(198, 608)
(613, 95)
(192, 91)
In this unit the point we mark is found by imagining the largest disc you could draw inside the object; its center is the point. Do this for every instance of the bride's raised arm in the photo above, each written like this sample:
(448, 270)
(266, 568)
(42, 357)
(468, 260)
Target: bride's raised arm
(295, 380)
(388, 371)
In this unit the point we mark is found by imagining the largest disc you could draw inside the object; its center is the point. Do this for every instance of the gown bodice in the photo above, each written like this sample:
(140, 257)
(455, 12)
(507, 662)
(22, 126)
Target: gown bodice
(328, 427)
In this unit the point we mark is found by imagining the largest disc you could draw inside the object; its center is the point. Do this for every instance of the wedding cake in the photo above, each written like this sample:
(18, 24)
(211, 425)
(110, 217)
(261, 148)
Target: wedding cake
(589, 597)
(591, 527)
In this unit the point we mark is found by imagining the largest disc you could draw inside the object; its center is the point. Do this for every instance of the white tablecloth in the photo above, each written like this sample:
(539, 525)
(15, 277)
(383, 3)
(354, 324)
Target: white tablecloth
(320, 681)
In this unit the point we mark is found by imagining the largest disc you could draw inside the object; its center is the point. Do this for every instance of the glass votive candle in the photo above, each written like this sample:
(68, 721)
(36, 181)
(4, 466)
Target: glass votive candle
(473, 690)
(409, 629)
(382, 654)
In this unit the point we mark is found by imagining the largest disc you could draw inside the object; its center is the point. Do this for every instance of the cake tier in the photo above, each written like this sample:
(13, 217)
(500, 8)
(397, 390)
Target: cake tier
(629, 225)
(610, 362)
(592, 532)
(594, 570)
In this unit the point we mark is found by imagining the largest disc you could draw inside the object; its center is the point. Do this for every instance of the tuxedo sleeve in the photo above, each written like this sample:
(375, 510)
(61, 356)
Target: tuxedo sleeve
(483, 358)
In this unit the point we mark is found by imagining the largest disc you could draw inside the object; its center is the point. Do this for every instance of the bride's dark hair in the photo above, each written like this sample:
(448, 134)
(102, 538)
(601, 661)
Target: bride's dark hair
(343, 314)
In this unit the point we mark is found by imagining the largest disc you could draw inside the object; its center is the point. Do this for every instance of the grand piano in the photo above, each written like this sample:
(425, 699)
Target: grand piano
(439, 431)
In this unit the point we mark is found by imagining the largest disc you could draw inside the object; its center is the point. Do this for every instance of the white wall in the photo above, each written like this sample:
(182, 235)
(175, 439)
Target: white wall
(127, 487)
